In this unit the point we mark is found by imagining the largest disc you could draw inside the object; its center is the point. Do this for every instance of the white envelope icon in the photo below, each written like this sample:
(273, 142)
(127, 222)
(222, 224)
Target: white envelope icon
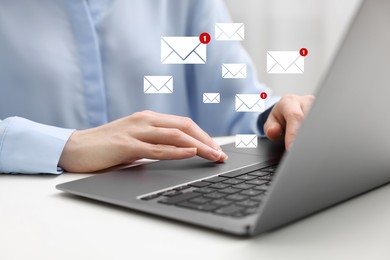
(158, 84)
(229, 31)
(246, 141)
(285, 62)
(249, 103)
(233, 71)
(212, 98)
(182, 50)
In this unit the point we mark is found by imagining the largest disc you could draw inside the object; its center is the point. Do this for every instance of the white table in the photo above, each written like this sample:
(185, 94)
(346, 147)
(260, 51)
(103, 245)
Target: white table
(40, 222)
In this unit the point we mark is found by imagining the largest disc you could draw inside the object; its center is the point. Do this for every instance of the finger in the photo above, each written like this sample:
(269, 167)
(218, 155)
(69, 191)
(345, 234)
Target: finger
(164, 152)
(306, 104)
(175, 137)
(275, 132)
(294, 117)
(273, 128)
(184, 124)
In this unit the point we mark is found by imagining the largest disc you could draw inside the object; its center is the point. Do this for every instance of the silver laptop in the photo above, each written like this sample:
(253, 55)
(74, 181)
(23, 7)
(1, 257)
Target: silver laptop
(341, 151)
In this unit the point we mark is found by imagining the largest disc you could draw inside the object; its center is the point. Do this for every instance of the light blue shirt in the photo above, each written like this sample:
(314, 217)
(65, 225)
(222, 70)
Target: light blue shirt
(77, 64)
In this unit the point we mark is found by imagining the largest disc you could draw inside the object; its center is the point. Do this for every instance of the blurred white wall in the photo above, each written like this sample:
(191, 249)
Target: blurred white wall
(278, 25)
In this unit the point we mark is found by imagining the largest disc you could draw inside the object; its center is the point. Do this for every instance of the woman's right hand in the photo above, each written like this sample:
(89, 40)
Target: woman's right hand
(144, 134)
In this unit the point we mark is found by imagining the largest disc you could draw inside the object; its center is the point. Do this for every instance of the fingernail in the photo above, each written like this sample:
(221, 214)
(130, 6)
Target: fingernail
(216, 154)
(224, 156)
(192, 150)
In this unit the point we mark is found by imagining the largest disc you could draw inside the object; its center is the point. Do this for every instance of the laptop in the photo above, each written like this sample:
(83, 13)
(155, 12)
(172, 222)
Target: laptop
(342, 150)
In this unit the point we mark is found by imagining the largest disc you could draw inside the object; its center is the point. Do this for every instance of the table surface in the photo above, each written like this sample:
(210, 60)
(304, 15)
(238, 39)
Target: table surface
(40, 222)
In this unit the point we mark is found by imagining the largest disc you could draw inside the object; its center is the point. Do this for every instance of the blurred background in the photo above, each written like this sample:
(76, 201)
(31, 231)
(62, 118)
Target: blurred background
(288, 25)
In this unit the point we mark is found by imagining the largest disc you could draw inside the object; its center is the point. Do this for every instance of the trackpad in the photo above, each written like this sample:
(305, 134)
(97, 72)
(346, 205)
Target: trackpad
(131, 182)
(195, 168)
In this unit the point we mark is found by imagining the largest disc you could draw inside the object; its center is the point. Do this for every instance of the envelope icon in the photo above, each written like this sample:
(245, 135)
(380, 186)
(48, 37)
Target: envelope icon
(158, 84)
(249, 103)
(229, 31)
(246, 141)
(212, 98)
(285, 62)
(182, 50)
(233, 71)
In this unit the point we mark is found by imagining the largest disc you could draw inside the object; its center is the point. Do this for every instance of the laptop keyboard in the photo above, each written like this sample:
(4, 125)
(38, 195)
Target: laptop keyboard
(233, 194)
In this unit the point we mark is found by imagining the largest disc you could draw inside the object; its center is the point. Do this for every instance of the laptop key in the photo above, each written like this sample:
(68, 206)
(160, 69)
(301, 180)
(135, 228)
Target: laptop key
(267, 178)
(229, 190)
(204, 190)
(232, 174)
(246, 177)
(179, 198)
(257, 182)
(243, 186)
(219, 185)
(208, 207)
(258, 197)
(187, 204)
(271, 169)
(171, 193)
(150, 197)
(182, 188)
(236, 197)
(251, 192)
(249, 211)
(199, 184)
(214, 195)
(248, 203)
(215, 179)
(222, 202)
(259, 173)
(261, 187)
(233, 181)
(228, 210)
(199, 200)
(202, 207)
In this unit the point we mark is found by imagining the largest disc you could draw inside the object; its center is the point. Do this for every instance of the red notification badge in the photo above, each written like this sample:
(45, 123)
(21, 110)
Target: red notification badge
(263, 95)
(204, 38)
(303, 52)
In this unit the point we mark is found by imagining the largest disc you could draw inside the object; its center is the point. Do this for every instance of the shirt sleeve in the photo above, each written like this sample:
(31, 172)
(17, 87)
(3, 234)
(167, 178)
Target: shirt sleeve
(208, 77)
(28, 147)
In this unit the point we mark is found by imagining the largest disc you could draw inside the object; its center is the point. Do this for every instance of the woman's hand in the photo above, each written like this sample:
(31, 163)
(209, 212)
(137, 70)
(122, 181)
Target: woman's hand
(144, 134)
(286, 117)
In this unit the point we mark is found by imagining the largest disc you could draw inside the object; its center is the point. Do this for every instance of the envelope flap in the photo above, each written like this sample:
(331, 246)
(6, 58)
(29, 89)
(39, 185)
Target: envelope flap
(246, 139)
(158, 81)
(234, 68)
(250, 100)
(211, 96)
(183, 46)
(229, 28)
(285, 58)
